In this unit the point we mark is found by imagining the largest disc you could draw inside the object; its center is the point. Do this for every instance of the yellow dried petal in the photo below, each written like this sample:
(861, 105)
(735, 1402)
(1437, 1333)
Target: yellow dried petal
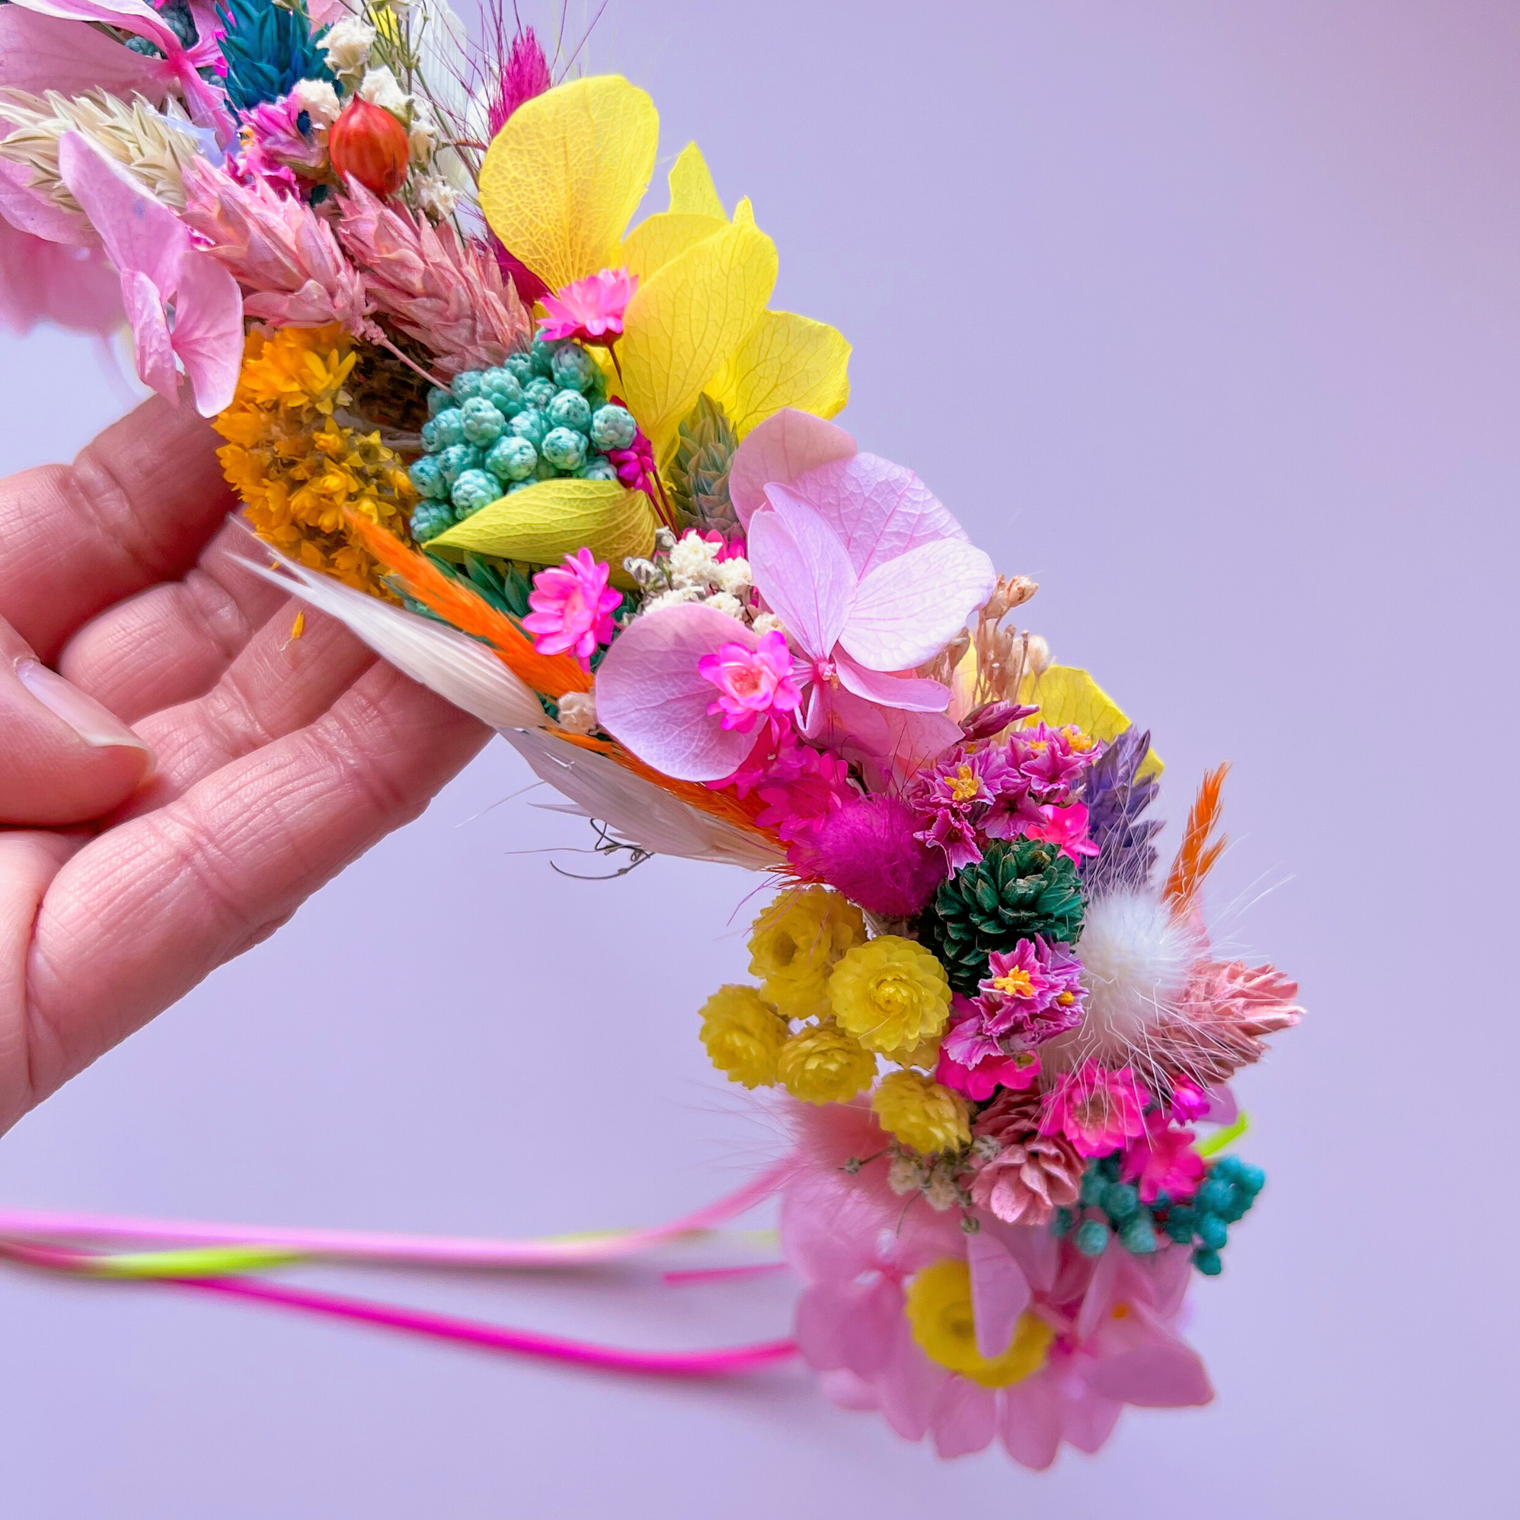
(786, 360)
(664, 236)
(566, 173)
(1065, 695)
(685, 321)
(691, 186)
(553, 518)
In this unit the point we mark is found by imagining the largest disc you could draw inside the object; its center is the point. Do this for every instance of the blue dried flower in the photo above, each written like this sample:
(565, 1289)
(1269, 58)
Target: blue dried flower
(269, 48)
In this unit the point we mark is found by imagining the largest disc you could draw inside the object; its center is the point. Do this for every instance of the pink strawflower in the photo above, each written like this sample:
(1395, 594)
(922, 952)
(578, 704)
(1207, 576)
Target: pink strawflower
(590, 309)
(750, 684)
(1096, 1109)
(1164, 1161)
(572, 608)
(1066, 827)
(1034, 991)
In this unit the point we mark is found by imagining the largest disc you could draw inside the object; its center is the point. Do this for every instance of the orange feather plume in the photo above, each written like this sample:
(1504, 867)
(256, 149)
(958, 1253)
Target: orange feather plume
(551, 674)
(1199, 851)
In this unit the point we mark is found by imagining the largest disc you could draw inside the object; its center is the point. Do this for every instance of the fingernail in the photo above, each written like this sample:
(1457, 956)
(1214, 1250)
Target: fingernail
(96, 725)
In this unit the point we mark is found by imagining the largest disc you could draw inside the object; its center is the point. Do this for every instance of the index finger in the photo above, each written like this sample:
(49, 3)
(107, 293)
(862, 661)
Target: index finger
(136, 508)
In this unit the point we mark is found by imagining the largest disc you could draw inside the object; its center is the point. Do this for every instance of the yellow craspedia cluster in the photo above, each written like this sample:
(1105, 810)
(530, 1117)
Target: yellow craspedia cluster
(822, 1064)
(920, 1113)
(891, 994)
(939, 1311)
(743, 1034)
(795, 943)
(297, 469)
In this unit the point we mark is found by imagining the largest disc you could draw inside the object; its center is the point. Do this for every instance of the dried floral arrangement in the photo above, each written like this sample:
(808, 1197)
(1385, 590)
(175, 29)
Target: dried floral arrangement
(572, 471)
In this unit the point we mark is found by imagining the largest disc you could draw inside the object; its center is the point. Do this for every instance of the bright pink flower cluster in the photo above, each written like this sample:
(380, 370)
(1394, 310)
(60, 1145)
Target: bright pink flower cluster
(1162, 1160)
(1098, 1110)
(572, 608)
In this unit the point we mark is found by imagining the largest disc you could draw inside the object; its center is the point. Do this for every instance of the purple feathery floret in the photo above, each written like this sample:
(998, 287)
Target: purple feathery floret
(1115, 798)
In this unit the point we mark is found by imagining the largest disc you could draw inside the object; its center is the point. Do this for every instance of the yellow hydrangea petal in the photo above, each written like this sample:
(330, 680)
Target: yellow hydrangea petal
(556, 517)
(785, 360)
(566, 173)
(664, 236)
(1068, 695)
(691, 186)
(685, 321)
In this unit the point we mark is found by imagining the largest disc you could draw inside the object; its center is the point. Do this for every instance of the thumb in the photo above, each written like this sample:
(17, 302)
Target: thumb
(63, 757)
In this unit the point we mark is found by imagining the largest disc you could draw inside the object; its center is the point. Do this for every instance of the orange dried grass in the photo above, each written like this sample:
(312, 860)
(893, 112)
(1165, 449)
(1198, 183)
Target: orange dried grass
(1199, 851)
(551, 674)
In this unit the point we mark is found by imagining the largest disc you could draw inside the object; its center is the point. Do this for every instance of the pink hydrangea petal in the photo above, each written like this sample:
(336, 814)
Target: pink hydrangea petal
(1139, 1361)
(208, 330)
(1033, 1416)
(964, 1418)
(906, 609)
(651, 697)
(800, 568)
(879, 509)
(909, 1385)
(41, 50)
(138, 230)
(909, 692)
(1000, 1292)
(151, 346)
(1089, 1419)
(780, 449)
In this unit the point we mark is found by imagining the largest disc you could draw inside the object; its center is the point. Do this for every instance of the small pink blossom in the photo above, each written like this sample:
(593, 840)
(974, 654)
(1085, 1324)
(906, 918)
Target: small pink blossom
(750, 684)
(1035, 990)
(1164, 1161)
(572, 608)
(994, 1070)
(800, 800)
(1066, 827)
(1096, 1109)
(1189, 1101)
(590, 309)
(1051, 760)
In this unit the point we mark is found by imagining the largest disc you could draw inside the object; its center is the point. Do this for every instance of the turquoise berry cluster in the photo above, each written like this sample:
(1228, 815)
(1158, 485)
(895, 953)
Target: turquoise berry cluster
(1223, 1198)
(541, 415)
(1108, 1209)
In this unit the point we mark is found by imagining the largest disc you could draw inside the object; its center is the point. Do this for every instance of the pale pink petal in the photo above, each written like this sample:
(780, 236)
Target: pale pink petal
(878, 509)
(907, 609)
(651, 697)
(909, 1385)
(847, 1391)
(999, 1293)
(1137, 1360)
(1033, 1416)
(964, 1418)
(1037, 1251)
(889, 742)
(1170, 1274)
(1089, 1419)
(42, 281)
(150, 334)
(866, 1332)
(910, 692)
(800, 569)
(822, 1310)
(23, 208)
(828, 1230)
(138, 230)
(43, 52)
(780, 449)
(129, 15)
(208, 330)
(1102, 1293)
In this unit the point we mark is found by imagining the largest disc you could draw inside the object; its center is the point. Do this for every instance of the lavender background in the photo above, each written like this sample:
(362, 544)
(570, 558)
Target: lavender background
(1207, 316)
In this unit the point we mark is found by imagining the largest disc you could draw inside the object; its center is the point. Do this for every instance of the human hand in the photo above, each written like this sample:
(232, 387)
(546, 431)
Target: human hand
(135, 861)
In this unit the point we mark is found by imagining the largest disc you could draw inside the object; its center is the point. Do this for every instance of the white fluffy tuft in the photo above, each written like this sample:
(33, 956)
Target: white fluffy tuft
(1135, 959)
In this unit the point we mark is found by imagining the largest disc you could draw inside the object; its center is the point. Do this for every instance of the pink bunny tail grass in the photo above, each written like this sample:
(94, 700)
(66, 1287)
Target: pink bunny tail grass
(377, 1248)
(720, 1362)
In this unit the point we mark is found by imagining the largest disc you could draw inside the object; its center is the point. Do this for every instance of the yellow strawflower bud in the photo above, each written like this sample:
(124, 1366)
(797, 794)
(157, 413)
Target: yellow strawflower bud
(822, 1064)
(921, 1114)
(794, 944)
(939, 1313)
(891, 994)
(743, 1035)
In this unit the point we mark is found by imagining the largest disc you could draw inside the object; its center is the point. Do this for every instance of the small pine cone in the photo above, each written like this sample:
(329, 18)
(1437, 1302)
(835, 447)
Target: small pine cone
(698, 474)
(1019, 888)
(1032, 1175)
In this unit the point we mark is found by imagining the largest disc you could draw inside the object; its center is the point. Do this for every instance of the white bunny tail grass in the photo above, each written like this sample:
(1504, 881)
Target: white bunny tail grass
(1136, 958)
(454, 665)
